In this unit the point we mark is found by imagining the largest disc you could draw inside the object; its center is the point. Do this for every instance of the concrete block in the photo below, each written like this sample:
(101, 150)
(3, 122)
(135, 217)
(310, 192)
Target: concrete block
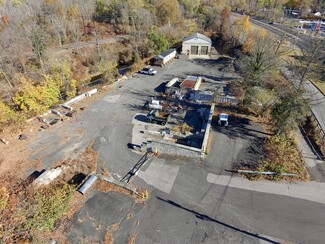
(4, 141)
(56, 112)
(75, 99)
(47, 176)
(91, 92)
(67, 107)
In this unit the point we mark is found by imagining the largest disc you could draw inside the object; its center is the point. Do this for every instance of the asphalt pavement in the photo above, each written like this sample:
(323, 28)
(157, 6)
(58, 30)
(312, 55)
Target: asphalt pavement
(191, 201)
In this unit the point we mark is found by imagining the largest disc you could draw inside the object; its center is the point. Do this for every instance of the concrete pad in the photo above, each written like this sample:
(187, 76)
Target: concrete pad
(226, 180)
(160, 175)
(271, 187)
(149, 131)
(311, 191)
(111, 98)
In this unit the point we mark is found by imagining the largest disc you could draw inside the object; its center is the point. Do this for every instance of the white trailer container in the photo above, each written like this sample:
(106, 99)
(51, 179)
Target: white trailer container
(165, 57)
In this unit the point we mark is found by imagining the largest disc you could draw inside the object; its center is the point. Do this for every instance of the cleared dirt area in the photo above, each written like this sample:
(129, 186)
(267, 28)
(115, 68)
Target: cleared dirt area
(15, 157)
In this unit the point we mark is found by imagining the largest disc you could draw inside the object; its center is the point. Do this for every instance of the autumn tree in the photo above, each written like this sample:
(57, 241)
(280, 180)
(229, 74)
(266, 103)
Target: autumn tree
(7, 115)
(264, 52)
(167, 11)
(310, 61)
(225, 25)
(241, 28)
(191, 7)
(26, 213)
(293, 4)
(290, 110)
(39, 46)
(58, 20)
(158, 41)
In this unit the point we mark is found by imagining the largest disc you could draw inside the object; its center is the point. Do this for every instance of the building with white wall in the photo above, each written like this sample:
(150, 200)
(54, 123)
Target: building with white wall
(197, 45)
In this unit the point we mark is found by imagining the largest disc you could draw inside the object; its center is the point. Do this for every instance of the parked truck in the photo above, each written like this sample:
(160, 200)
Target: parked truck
(223, 119)
(157, 117)
(148, 71)
(154, 104)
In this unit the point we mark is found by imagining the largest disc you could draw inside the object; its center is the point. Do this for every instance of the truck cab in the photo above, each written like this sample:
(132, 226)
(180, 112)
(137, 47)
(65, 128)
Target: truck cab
(223, 119)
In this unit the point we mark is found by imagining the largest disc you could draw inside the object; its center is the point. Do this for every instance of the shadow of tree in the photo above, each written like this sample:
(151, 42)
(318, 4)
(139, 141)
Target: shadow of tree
(208, 218)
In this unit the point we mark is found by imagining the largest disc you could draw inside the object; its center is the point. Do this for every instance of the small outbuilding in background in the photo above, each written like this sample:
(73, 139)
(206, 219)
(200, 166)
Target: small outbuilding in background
(165, 57)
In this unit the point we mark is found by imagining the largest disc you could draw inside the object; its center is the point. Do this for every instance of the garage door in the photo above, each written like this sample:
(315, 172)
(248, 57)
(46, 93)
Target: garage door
(195, 50)
(204, 50)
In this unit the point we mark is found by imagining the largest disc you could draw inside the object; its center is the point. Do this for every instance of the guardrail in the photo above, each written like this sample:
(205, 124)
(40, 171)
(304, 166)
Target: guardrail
(321, 130)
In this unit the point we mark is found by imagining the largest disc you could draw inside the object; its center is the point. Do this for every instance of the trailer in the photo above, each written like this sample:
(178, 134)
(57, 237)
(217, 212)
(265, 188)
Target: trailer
(165, 57)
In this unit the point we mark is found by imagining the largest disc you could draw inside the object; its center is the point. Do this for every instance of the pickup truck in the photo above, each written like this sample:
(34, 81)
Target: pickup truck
(223, 119)
(157, 117)
(148, 71)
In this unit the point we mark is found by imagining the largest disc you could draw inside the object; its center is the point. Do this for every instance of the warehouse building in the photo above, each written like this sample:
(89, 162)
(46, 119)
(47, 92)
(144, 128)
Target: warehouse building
(196, 45)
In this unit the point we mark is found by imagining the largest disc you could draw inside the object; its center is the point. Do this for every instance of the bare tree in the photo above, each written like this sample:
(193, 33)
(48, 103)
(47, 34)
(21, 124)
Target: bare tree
(264, 52)
(311, 60)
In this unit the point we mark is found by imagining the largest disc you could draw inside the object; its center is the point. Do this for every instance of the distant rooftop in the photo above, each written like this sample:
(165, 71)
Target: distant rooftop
(197, 36)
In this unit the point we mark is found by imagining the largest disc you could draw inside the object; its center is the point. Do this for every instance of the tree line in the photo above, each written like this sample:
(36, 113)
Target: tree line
(33, 73)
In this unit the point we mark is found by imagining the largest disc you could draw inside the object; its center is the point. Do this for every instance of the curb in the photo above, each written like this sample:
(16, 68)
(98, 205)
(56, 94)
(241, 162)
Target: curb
(316, 87)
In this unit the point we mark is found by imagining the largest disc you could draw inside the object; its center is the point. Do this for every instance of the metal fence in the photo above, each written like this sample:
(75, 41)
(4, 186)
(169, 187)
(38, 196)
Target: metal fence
(321, 130)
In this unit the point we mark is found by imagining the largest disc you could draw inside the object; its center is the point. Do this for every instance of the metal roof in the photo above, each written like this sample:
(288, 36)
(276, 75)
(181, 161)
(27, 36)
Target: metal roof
(188, 84)
(165, 53)
(192, 82)
(197, 36)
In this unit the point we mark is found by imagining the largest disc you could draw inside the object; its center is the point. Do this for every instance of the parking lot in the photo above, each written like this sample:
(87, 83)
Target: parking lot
(183, 206)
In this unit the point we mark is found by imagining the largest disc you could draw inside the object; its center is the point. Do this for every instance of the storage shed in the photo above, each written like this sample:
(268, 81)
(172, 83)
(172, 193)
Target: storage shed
(196, 44)
(165, 57)
(191, 83)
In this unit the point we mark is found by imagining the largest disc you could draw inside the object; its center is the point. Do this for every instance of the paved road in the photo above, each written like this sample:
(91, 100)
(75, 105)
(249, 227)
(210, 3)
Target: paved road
(190, 201)
(300, 40)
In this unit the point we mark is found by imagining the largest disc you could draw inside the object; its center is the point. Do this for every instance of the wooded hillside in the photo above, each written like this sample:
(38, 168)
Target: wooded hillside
(51, 48)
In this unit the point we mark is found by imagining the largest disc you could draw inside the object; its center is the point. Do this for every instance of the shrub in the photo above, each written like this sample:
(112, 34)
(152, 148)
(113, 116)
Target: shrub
(49, 205)
(7, 115)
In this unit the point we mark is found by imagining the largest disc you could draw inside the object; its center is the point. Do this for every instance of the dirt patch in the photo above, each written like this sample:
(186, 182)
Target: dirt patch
(132, 238)
(279, 154)
(108, 238)
(13, 157)
(260, 123)
(141, 195)
(77, 168)
(106, 186)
